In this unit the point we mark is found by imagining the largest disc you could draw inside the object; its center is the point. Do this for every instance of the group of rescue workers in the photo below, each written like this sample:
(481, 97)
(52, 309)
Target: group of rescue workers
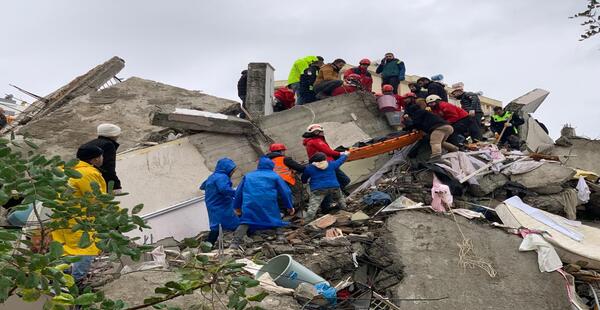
(262, 194)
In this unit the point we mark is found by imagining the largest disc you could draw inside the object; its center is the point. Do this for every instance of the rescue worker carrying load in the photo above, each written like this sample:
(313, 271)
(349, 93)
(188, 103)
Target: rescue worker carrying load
(391, 105)
(363, 71)
(460, 120)
(510, 120)
(351, 84)
(438, 129)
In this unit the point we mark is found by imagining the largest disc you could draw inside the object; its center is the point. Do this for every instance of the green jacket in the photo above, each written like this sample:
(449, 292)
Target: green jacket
(298, 68)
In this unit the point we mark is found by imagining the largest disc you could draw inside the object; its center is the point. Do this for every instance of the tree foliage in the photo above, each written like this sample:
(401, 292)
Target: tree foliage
(32, 266)
(591, 18)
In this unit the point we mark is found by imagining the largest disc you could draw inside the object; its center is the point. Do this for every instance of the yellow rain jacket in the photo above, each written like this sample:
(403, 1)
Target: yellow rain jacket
(82, 185)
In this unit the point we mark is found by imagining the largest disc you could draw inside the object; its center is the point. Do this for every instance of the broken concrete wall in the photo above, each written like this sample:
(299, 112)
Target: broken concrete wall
(165, 177)
(259, 96)
(129, 104)
(213, 146)
(583, 154)
(427, 246)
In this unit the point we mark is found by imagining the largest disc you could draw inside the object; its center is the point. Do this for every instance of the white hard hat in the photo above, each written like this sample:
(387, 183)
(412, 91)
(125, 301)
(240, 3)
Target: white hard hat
(314, 127)
(432, 98)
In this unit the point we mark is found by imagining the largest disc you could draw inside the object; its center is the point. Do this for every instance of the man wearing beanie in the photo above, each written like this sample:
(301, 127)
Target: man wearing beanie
(323, 182)
(90, 157)
(107, 141)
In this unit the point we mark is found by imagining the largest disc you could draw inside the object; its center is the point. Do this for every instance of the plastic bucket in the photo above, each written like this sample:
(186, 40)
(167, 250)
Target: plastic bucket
(288, 273)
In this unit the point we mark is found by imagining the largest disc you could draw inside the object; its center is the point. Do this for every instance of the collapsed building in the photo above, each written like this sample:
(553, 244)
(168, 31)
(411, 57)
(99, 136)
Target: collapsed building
(172, 138)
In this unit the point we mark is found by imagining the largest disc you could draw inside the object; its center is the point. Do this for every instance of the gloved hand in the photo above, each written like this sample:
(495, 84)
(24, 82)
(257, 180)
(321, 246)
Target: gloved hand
(472, 112)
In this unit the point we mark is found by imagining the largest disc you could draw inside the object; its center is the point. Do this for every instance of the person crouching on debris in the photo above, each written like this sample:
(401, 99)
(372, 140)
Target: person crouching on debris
(438, 129)
(90, 158)
(314, 141)
(286, 168)
(323, 182)
(256, 202)
(218, 195)
(108, 134)
(351, 84)
(460, 120)
(500, 120)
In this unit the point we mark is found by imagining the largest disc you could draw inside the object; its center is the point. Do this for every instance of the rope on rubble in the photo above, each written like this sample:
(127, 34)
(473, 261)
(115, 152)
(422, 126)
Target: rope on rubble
(466, 255)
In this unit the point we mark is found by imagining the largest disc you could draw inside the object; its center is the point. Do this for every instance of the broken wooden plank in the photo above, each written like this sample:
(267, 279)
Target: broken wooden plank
(195, 120)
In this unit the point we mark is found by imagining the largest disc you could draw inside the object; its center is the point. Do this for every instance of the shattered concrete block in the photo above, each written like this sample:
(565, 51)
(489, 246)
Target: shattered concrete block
(359, 216)
(545, 175)
(335, 242)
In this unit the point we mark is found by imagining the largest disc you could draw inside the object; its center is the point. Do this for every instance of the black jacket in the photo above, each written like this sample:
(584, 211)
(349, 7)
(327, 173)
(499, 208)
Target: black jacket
(435, 88)
(422, 120)
(242, 87)
(109, 146)
(470, 101)
(288, 161)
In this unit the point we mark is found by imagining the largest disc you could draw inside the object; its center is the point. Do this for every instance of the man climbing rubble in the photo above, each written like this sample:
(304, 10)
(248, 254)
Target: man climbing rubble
(90, 159)
(256, 202)
(438, 129)
(286, 168)
(505, 119)
(218, 196)
(314, 141)
(328, 78)
(469, 102)
(432, 88)
(460, 120)
(363, 72)
(298, 68)
(107, 141)
(321, 175)
(392, 71)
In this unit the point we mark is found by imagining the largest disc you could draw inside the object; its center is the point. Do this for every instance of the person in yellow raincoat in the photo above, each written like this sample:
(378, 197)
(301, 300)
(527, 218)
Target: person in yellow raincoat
(90, 157)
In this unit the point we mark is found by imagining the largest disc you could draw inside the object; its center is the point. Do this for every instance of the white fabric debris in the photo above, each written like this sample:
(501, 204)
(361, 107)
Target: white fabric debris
(583, 190)
(548, 259)
(521, 167)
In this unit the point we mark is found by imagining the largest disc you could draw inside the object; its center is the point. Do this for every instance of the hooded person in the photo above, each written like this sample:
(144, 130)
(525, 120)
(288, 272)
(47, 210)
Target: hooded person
(323, 182)
(256, 201)
(218, 196)
(433, 88)
(90, 158)
(108, 134)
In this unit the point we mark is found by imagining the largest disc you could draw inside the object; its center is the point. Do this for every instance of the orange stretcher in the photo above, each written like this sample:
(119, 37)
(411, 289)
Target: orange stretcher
(384, 146)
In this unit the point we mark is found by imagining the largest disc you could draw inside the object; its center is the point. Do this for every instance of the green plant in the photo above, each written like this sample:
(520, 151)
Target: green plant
(32, 269)
(591, 17)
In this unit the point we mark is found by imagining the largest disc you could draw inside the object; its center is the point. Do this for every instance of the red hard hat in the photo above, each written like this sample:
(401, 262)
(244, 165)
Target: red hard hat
(365, 61)
(410, 95)
(277, 147)
(387, 87)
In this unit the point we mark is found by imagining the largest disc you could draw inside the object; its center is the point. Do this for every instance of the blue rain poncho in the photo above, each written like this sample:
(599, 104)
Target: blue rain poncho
(256, 196)
(219, 196)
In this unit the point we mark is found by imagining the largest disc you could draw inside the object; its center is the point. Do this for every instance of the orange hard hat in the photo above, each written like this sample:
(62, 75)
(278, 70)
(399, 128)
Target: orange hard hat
(411, 94)
(277, 147)
(387, 87)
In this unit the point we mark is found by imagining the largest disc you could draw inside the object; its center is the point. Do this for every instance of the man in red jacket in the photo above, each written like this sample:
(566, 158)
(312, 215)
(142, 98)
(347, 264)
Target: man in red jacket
(314, 141)
(460, 120)
(365, 76)
(351, 84)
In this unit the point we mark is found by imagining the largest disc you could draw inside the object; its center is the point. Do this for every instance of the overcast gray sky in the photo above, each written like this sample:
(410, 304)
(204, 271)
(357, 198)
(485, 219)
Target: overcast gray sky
(503, 48)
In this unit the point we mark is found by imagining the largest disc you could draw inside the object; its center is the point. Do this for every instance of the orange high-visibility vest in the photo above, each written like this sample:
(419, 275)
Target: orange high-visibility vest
(283, 171)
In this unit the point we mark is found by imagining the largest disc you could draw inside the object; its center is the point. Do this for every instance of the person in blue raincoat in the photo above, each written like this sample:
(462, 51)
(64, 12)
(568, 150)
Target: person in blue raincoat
(256, 201)
(219, 199)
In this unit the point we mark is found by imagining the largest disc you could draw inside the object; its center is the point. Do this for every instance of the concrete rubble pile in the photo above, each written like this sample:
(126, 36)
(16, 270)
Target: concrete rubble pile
(399, 244)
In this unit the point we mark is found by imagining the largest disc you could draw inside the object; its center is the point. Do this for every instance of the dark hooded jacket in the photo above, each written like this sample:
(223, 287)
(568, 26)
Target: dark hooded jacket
(257, 194)
(422, 120)
(108, 168)
(435, 88)
(218, 196)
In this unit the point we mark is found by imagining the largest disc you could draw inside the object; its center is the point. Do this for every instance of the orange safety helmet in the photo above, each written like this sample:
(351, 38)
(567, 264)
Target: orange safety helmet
(364, 61)
(410, 94)
(387, 87)
(277, 147)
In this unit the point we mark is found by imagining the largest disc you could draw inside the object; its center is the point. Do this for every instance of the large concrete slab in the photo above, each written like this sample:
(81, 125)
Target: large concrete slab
(195, 120)
(529, 102)
(165, 176)
(583, 154)
(426, 244)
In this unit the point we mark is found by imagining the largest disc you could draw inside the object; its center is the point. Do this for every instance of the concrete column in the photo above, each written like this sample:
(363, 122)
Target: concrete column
(261, 86)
